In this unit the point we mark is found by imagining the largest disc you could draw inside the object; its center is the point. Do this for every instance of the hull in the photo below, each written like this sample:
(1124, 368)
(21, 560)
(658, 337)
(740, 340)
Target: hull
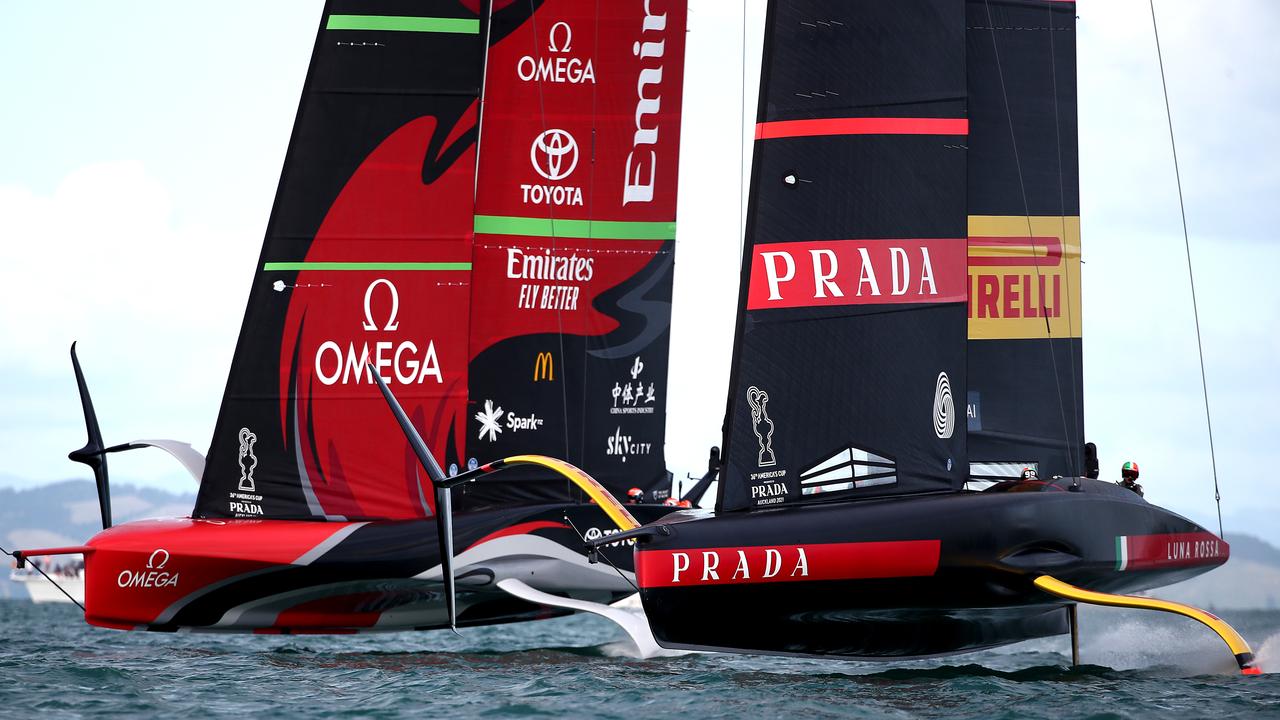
(278, 576)
(908, 577)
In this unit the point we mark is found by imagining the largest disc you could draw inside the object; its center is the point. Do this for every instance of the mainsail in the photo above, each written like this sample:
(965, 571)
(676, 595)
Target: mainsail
(371, 253)
(850, 348)
(1025, 395)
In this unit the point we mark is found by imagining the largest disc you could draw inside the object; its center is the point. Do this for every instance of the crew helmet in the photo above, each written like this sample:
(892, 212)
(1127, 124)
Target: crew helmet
(1129, 471)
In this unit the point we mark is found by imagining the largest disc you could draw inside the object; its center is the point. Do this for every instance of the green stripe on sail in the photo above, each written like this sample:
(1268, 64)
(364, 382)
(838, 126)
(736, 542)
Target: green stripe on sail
(587, 229)
(404, 23)
(283, 266)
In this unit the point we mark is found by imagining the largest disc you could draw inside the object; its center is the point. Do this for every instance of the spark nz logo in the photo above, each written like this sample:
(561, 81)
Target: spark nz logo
(491, 423)
(490, 426)
(561, 65)
(401, 362)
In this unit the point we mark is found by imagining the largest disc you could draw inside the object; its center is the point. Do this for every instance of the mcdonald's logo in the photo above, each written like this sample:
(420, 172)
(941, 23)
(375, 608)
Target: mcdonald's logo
(544, 367)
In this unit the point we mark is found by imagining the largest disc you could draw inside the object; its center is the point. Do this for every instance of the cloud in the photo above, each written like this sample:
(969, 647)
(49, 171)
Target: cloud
(154, 303)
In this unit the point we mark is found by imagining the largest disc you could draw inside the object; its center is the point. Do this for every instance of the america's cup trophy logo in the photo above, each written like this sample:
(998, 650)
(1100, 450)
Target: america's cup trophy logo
(761, 424)
(248, 461)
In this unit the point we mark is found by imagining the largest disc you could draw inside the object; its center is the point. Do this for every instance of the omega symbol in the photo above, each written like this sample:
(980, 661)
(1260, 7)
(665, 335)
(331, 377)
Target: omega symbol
(391, 325)
(567, 36)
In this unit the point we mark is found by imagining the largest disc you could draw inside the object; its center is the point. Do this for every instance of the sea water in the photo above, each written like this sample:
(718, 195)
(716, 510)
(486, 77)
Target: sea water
(1139, 665)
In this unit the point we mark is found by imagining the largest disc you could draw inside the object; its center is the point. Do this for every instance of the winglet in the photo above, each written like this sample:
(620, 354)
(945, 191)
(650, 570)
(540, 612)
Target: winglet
(92, 452)
(1240, 648)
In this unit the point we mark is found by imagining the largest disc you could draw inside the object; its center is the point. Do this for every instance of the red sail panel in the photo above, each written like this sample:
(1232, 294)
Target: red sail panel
(575, 223)
(405, 315)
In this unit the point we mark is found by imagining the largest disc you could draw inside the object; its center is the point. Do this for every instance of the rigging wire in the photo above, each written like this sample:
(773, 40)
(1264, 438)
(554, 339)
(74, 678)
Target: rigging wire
(33, 564)
(1186, 240)
(1026, 208)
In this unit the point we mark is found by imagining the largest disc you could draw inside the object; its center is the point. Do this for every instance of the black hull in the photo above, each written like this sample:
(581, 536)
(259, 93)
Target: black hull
(921, 576)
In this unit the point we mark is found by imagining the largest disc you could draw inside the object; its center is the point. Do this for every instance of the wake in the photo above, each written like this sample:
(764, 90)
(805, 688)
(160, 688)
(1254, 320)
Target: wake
(1267, 656)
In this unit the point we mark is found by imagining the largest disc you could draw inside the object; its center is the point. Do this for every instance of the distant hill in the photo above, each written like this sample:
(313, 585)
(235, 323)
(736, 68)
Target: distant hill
(66, 513)
(1250, 580)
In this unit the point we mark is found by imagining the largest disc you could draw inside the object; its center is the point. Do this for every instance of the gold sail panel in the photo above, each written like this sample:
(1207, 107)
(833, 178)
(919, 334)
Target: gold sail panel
(1023, 270)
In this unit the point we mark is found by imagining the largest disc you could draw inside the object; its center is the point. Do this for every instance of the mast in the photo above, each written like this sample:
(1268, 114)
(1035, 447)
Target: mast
(850, 346)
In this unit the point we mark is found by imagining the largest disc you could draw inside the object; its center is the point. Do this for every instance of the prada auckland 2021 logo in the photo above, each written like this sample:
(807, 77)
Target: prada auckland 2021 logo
(762, 425)
(246, 502)
(248, 461)
(767, 486)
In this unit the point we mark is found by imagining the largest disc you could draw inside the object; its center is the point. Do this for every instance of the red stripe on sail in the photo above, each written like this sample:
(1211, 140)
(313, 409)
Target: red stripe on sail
(787, 563)
(861, 126)
(1015, 251)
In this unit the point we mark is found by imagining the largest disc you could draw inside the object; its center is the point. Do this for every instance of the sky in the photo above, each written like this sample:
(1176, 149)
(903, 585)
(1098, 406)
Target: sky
(141, 143)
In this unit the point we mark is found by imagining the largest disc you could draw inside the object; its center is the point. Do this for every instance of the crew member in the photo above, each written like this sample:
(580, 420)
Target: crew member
(670, 502)
(635, 496)
(1129, 477)
(1029, 473)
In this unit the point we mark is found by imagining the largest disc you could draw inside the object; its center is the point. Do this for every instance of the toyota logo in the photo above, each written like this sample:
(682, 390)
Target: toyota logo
(554, 154)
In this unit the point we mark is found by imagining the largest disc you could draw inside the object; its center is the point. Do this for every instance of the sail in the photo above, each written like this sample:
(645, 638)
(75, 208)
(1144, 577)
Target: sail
(367, 259)
(574, 247)
(371, 257)
(850, 345)
(1025, 395)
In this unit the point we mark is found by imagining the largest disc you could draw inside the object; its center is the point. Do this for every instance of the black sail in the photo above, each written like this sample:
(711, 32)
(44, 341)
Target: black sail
(850, 345)
(367, 257)
(1025, 396)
